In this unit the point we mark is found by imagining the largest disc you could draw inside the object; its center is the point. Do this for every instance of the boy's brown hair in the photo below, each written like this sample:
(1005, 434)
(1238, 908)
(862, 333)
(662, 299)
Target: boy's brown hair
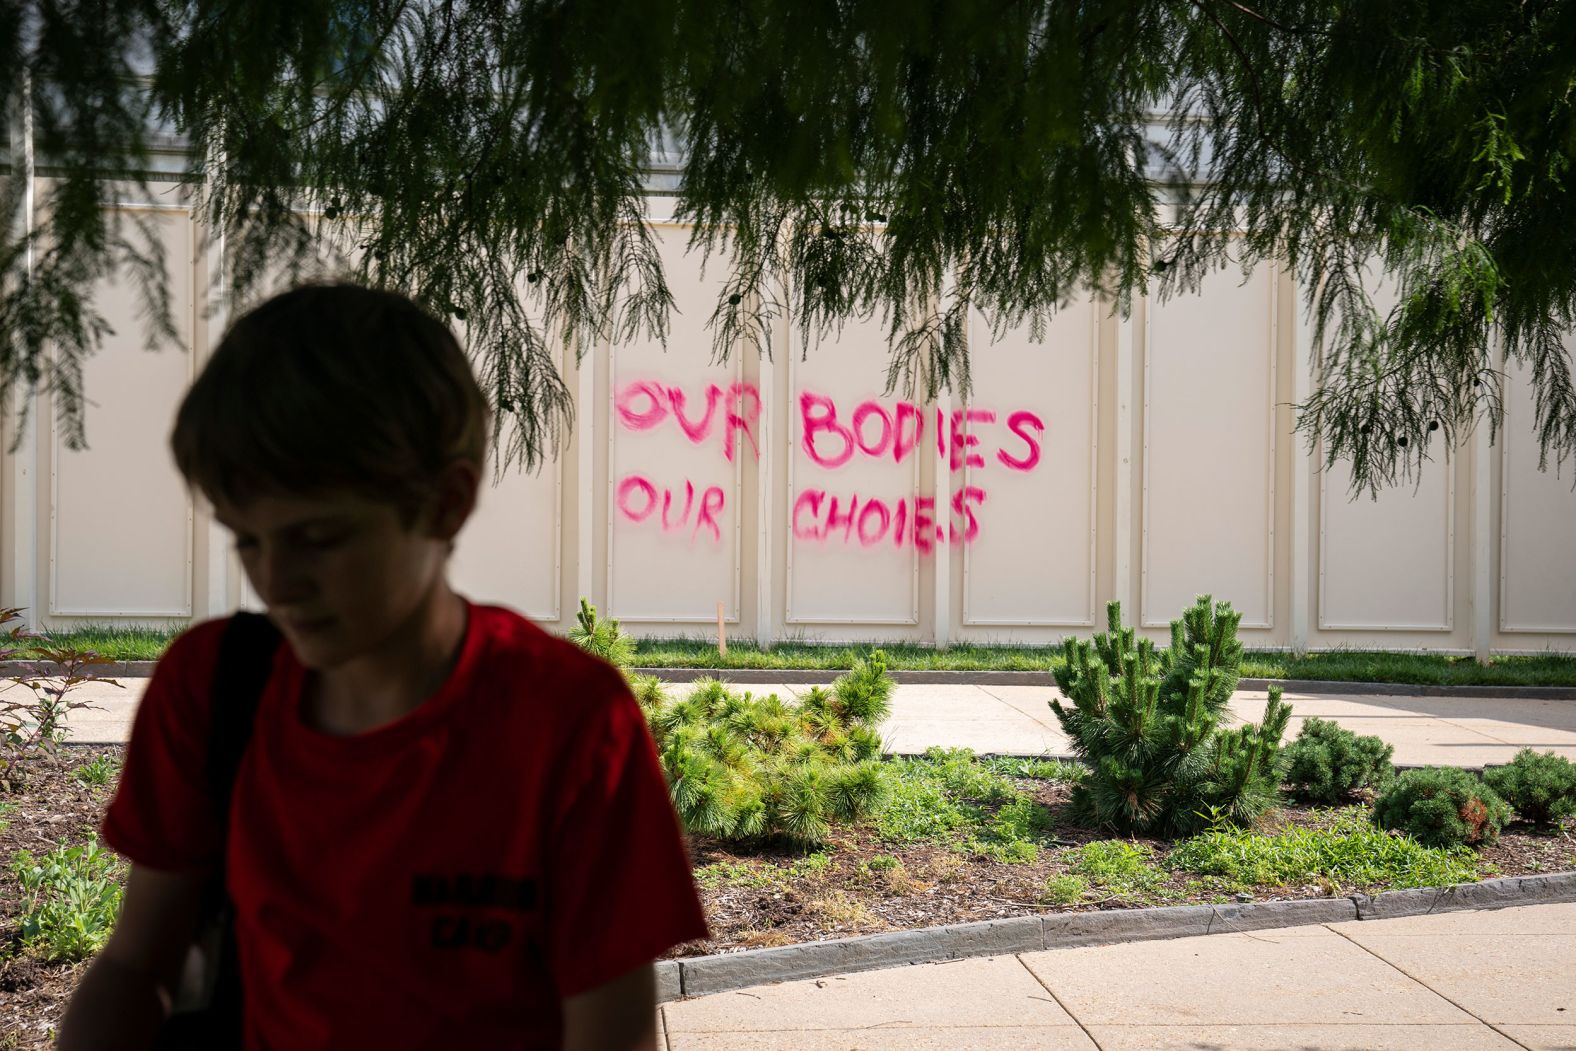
(326, 387)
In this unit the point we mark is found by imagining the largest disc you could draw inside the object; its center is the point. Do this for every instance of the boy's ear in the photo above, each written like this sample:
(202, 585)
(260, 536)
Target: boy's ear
(456, 499)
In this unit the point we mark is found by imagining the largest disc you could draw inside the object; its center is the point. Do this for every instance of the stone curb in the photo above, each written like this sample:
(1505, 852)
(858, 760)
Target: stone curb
(703, 975)
(822, 677)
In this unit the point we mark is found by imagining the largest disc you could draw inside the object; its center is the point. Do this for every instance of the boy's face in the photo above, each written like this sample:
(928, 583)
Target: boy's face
(340, 574)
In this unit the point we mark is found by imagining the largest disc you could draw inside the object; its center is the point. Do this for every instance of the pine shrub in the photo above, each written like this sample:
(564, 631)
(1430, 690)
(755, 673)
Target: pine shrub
(1540, 786)
(1328, 763)
(742, 767)
(1148, 723)
(1442, 806)
(602, 637)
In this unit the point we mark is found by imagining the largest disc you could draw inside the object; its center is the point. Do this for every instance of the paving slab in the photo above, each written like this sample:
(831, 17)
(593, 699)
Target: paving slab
(1542, 1037)
(978, 992)
(1473, 1036)
(972, 1038)
(1311, 977)
(1520, 970)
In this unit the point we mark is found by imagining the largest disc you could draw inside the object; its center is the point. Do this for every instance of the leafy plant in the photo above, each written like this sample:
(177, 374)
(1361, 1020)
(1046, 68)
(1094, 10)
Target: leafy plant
(1327, 763)
(1350, 854)
(70, 898)
(1540, 786)
(1064, 889)
(1148, 722)
(746, 767)
(602, 637)
(34, 721)
(97, 772)
(1442, 806)
(1117, 866)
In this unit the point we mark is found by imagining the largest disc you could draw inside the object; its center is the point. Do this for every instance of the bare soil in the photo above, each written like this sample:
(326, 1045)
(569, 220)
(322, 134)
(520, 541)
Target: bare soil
(755, 898)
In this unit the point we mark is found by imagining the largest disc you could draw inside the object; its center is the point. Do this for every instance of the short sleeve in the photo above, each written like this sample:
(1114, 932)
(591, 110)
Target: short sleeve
(162, 815)
(620, 889)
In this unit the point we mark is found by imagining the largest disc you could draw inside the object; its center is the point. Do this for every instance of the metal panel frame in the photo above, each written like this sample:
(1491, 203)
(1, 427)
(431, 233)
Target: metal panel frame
(1505, 626)
(189, 533)
(612, 502)
(969, 620)
(1273, 347)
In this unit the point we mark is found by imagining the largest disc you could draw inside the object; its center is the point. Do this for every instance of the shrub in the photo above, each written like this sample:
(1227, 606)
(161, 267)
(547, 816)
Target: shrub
(1148, 723)
(1327, 762)
(70, 899)
(602, 637)
(1442, 806)
(1540, 786)
(746, 767)
(1352, 853)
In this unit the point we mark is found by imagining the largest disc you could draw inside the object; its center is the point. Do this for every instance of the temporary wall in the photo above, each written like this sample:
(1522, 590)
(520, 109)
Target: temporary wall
(1150, 459)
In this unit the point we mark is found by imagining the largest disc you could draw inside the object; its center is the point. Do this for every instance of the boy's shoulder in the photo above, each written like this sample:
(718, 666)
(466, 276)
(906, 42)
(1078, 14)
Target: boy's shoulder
(534, 657)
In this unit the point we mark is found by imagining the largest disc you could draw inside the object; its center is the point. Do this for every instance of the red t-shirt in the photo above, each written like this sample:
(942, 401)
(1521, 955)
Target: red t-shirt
(441, 881)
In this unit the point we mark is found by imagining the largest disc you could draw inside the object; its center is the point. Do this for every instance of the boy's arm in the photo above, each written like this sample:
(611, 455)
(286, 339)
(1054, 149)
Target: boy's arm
(125, 994)
(620, 1015)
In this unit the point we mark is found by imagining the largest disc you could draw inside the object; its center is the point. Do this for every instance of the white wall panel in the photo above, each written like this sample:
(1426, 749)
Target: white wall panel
(1033, 562)
(511, 550)
(680, 430)
(121, 517)
(1538, 525)
(1387, 564)
(862, 569)
(1209, 449)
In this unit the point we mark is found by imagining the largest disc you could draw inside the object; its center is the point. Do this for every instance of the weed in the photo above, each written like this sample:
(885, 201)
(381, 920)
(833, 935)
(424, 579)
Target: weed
(1350, 854)
(1065, 889)
(1120, 868)
(839, 910)
(1036, 769)
(37, 721)
(70, 898)
(98, 772)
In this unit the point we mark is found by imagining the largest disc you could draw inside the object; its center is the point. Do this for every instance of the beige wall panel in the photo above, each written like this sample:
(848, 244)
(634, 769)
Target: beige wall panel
(1537, 585)
(121, 518)
(863, 569)
(510, 553)
(680, 432)
(1033, 561)
(1209, 449)
(1387, 564)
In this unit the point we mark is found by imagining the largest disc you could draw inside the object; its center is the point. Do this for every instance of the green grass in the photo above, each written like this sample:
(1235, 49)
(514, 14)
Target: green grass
(1551, 669)
(1351, 854)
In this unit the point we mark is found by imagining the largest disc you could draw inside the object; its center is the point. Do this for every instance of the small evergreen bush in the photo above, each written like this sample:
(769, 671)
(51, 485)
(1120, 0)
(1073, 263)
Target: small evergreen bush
(1328, 763)
(743, 767)
(1442, 806)
(1540, 786)
(1148, 723)
(602, 637)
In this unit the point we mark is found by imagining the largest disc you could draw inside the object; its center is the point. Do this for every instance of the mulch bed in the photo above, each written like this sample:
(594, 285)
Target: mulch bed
(842, 897)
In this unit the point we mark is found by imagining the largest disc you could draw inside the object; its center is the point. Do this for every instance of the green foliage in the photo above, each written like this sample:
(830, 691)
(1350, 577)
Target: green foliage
(1036, 769)
(949, 795)
(70, 898)
(1327, 762)
(1014, 833)
(602, 637)
(839, 162)
(1540, 786)
(746, 767)
(1351, 854)
(1148, 722)
(32, 718)
(98, 771)
(1117, 867)
(1442, 806)
(1064, 889)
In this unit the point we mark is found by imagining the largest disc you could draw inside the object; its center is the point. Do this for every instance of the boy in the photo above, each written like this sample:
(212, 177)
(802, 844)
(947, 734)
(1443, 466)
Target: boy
(449, 828)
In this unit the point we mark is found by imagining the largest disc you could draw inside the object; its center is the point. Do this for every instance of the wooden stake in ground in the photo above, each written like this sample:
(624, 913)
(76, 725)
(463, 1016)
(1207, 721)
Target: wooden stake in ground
(722, 633)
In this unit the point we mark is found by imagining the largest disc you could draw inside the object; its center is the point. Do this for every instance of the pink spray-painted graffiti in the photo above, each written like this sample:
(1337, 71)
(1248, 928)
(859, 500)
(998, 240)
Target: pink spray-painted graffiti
(969, 439)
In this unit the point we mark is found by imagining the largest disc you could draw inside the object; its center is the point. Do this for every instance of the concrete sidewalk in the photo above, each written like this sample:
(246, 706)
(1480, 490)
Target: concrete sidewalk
(1497, 979)
(1017, 720)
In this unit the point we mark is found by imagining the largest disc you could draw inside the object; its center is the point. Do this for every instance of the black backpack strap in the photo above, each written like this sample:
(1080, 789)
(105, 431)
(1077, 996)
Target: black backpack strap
(246, 660)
